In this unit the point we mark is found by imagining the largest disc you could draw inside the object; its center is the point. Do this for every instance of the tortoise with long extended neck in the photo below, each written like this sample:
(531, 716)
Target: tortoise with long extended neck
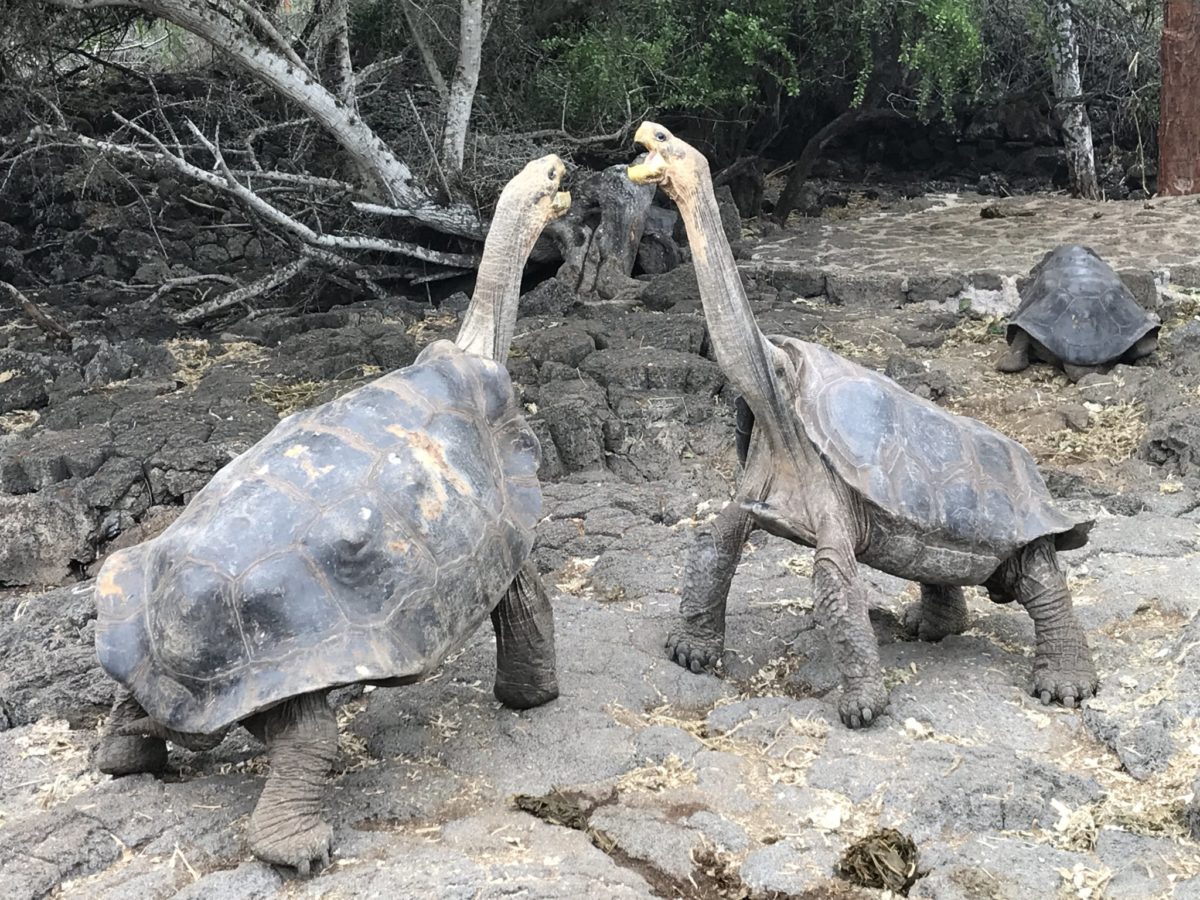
(1076, 313)
(361, 541)
(846, 461)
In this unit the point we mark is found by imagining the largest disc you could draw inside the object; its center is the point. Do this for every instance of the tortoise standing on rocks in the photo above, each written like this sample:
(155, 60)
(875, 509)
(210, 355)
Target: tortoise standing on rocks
(1077, 313)
(846, 461)
(361, 541)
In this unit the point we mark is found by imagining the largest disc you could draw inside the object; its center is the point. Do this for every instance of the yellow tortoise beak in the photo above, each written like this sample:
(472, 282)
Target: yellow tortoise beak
(561, 203)
(653, 169)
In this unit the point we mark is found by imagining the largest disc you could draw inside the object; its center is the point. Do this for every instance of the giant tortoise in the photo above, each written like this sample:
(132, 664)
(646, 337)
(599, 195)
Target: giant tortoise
(360, 541)
(844, 460)
(1077, 313)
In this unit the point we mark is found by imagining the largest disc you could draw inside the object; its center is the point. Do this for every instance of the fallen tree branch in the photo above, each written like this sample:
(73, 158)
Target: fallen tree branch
(268, 282)
(229, 184)
(41, 319)
(172, 284)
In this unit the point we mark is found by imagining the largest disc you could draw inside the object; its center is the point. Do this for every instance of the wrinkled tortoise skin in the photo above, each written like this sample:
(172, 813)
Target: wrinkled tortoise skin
(953, 497)
(363, 540)
(1078, 308)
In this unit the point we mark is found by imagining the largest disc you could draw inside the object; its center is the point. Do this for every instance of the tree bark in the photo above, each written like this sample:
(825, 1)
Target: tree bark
(1068, 91)
(1179, 112)
(471, 30)
(789, 199)
(599, 237)
(395, 180)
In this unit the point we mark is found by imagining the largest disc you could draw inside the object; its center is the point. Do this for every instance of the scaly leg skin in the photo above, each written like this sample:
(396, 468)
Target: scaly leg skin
(120, 754)
(1062, 665)
(698, 641)
(286, 827)
(1017, 359)
(941, 612)
(841, 608)
(524, 624)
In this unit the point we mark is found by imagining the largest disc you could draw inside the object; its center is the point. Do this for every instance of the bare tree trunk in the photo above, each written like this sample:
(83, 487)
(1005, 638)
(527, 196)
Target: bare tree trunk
(471, 31)
(789, 198)
(1179, 114)
(1068, 90)
(427, 57)
(395, 180)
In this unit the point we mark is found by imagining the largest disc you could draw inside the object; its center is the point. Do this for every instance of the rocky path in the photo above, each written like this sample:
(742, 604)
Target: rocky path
(641, 780)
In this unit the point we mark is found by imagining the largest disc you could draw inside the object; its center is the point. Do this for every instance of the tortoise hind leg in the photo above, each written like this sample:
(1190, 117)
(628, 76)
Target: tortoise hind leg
(1017, 358)
(524, 624)
(941, 612)
(1062, 665)
(124, 754)
(302, 738)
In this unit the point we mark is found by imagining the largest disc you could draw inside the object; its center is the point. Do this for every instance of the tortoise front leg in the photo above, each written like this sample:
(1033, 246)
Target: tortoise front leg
(125, 754)
(1062, 663)
(524, 624)
(1018, 356)
(698, 641)
(302, 737)
(841, 607)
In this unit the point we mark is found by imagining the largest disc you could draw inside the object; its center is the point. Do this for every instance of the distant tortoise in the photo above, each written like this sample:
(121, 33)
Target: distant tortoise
(361, 541)
(1077, 313)
(846, 461)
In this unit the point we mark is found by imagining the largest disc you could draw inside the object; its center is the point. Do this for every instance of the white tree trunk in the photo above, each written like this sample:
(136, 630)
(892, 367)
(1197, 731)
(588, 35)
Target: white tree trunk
(369, 153)
(1068, 90)
(471, 31)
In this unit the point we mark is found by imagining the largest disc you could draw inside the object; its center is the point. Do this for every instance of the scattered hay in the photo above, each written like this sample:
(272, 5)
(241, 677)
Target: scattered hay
(191, 357)
(718, 874)
(1083, 882)
(575, 576)
(556, 808)
(970, 331)
(799, 565)
(437, 323)
(672, 772)
(566, 811)
(52, 739)
(885, 860)
(1113, 435)
(65, 786)
(774, 679)
(289, 398)
(18, 420)
(354, 745)
(194, 357)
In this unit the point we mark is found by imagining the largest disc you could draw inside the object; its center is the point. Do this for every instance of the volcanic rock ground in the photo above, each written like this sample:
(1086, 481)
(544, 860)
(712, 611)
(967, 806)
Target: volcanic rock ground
(642, 779)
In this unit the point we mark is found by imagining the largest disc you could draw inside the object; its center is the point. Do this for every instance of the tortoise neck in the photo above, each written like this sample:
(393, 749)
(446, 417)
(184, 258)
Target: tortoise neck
(491, 317)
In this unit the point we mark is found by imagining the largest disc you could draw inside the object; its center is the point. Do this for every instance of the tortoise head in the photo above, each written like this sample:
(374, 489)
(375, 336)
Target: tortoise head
(532, 198)
(671, 162)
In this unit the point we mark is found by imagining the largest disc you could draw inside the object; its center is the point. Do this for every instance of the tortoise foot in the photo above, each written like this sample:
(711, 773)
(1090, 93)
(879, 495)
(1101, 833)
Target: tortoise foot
(119, 755)
(695, 652)
(297, 842)
(861, 705)
(1069, 685)
(525, 696)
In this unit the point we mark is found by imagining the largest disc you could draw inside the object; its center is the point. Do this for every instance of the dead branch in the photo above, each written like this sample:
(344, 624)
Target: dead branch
(282, 44)
(431, 66)
(173, 284)
(268, 282)
(394, 180)
(41, 319)
(230, 184)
